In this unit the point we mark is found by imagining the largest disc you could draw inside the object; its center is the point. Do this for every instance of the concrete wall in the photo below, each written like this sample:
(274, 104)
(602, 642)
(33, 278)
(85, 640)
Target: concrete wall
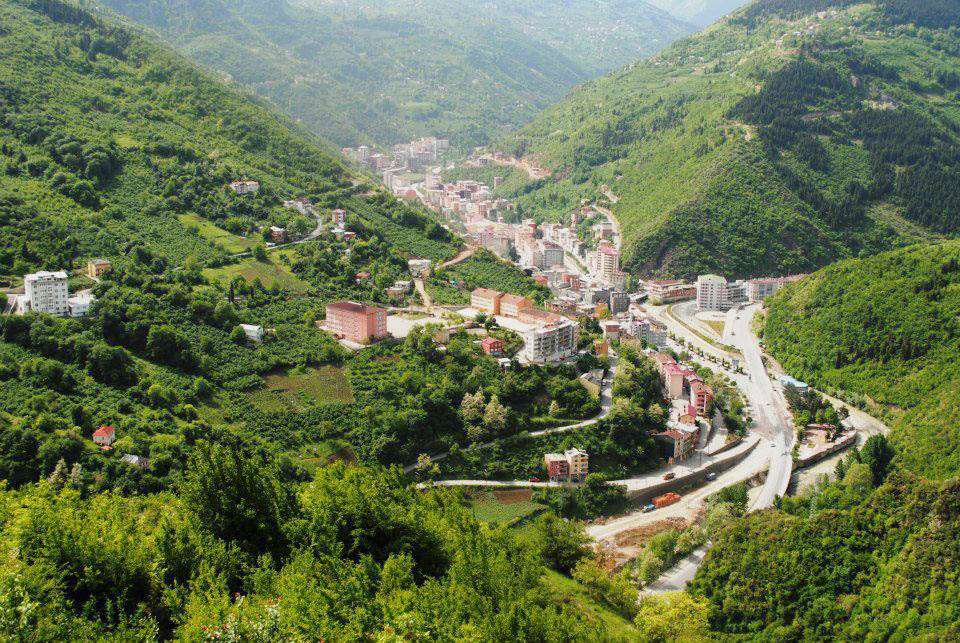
(695, 478)
(833, 448)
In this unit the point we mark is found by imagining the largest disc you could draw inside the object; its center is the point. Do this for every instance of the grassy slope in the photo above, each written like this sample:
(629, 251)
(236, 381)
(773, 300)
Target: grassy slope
(886, 327)
(699, 189)
(402, 69)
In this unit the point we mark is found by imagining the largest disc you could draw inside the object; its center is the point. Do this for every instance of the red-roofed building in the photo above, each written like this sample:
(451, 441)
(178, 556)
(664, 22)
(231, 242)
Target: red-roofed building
(357, 322)
(492, 346)
(688, 414)
(673, 380)
(105, 436)
(701, 396)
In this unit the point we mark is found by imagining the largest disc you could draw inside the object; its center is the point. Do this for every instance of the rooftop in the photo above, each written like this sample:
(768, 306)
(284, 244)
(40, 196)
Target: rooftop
(487, 293)
(352, 307)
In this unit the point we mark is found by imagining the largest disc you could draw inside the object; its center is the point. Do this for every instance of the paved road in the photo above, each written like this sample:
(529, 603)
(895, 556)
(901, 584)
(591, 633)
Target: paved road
(606, 405)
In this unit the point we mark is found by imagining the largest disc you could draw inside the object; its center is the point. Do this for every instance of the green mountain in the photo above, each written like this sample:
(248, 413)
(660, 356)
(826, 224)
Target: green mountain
(699, 12)
(385, 72)
(884, 329)
(787, 136)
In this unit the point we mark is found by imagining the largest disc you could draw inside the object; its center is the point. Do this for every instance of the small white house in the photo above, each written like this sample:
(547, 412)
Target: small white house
(253, 333)
(80, 304)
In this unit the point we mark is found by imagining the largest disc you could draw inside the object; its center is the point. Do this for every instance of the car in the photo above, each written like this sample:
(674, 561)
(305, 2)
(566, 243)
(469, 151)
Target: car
(711, 477)
(534, 480)
(773, 445)
(733, 332)
(648, 508)
(669, 476)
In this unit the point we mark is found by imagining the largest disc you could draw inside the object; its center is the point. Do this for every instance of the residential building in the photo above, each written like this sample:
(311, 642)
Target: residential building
(672, 380)
(701, 397)
(676, 444)
(492, 346)
(419, 266)
(688, 414)
(512, 305)
(357, 322)
(245, 187)
(715, 293)
(611, 330)
(96, 268)
(548, 254)
(668, 292)
(46, 292)
(278, 234)
(539, 317)
(601, 348)
(619, 302)
(551, 342)
(573, 465)
(760, 289)
(339, 218)
(607, 262)
(79, 304)
(105, 436)
(136, 460)
(253, 332)
(486, 301)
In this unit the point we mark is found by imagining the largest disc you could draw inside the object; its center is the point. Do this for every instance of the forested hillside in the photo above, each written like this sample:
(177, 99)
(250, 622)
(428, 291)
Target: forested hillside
(775, 142)
(888, 328)
(362, 73)
(699, 12)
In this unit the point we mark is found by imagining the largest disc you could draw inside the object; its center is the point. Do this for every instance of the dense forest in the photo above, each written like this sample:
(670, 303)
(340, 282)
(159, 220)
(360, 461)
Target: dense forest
(775, 142)
(362, 73)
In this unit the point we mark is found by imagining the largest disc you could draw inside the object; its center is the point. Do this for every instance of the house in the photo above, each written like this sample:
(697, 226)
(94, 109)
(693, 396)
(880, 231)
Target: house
(357, 322)
(253, 333)
(512, 305)
(419, 266)
(80, 304)
(278, 234)
(611, 330)
(486, 301)
(96, 268)
(245, 187)
(105, 436)
(492, 346)
(601, 348)
(361, 277)
(339, 218)
(137, 461)
(558, 469)
(688, 414)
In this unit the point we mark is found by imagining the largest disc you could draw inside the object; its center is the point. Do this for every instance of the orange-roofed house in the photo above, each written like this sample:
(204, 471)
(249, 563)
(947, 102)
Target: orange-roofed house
(105, 436)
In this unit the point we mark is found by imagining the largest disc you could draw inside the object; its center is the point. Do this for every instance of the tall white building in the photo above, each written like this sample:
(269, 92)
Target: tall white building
(716, 293)
(46, 292)
(551, 342)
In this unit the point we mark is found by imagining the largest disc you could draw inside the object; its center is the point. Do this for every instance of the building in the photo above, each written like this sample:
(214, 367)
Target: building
(672, 379)
(701, 397)
(486, 301)
(96, 268)
(670, 291)
(537, 317)
(419, 266)
(786, 380)
(619, 302)
(357, 322)
(136, 460)
(688, 414)
(278, 234)
(80, 304)
(607, 262)
(548, 254)
(760, 289)
(253, 332)
(676, 444)
(339, 218)
(46, 292)
(601, 348)
(573, 465)
(245, 187)
(611, 330)
(105, 436)
(551, 342)
(492, 346)
(716, 293)
(513, 305)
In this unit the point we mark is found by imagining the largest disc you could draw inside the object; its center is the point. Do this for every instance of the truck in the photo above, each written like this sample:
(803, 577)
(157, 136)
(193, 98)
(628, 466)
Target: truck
(666, 500)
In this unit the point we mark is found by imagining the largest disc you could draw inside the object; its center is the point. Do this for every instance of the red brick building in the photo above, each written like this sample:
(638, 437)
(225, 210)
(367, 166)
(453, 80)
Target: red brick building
(492, 346)
(357, 322)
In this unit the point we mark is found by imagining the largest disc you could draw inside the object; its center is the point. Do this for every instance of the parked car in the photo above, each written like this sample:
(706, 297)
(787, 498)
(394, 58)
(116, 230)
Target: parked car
(534, 480)
(669, 476)
(711, 477)
(648, 508)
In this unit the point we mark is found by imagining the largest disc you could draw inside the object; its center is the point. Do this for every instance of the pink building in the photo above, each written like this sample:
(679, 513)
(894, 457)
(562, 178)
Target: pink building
(339, 218)
(357, 322)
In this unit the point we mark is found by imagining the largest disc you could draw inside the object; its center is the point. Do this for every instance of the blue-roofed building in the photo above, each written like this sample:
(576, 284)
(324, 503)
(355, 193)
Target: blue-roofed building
(787, 380)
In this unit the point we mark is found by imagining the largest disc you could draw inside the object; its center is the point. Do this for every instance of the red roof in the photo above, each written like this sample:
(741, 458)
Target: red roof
(689, 409)
(352, 307)
(671, 368)
(104, 431)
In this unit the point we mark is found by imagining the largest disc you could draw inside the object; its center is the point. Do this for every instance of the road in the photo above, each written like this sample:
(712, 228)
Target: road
(464, 254)
(427, 302)
(606, 405)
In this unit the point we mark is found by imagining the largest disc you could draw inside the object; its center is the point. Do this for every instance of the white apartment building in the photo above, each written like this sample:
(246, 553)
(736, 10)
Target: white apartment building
(551, 342)
(549, 255)
(605, 262)
(46, 292)
(715, 293)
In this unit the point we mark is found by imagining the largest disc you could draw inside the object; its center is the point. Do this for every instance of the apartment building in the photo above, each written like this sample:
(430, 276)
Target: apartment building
(619, 302)
(339, 218)
(549, 254)
(716, 293)
(513, 305)
(701, 397)
(486, 301)
(573, 465)
(357, 322)
(551, 342)
(46, 292)
(760, 289)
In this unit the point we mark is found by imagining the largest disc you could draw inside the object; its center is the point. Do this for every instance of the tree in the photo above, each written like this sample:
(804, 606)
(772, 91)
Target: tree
(674, 616)
(555, 409)
(859, 480)
(560, 543)
(877, 454)
(495, 416)
(472, 408)
(259, 252)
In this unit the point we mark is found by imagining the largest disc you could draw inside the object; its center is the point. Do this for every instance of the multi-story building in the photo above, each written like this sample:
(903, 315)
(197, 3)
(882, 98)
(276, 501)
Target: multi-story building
(672, 380)
(492, 346)
(245, 187)
(551, 342)
(46, 292)
(486, 301)
(549, 254)
(607, 262)
(357, 322)
(645, 327)
(96, 268)
(760, 289)
(572, 465)
(716, 293)
(668, 292)
(80, 304)
(701, 397)
(513, 305)
(339, 218)
(619, 302)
